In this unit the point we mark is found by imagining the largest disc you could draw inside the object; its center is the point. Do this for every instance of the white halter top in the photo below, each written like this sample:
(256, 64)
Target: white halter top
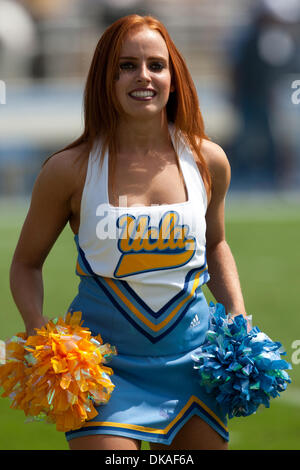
(158, 250)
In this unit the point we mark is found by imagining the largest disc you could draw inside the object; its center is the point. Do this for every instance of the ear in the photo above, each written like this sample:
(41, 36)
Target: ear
(172, 88)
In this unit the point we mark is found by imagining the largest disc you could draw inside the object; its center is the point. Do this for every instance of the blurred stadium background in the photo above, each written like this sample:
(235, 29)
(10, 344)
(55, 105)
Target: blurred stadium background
(244, 56)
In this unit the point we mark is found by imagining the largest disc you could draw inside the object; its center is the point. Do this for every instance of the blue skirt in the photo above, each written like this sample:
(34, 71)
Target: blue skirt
(156, 388)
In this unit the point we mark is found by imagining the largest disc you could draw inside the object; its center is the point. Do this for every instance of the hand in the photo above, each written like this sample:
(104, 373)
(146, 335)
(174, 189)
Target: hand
(248, 319)
(38, 323)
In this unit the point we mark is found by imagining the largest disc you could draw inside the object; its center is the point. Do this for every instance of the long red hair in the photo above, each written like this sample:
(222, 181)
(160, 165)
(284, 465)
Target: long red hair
(101, 108)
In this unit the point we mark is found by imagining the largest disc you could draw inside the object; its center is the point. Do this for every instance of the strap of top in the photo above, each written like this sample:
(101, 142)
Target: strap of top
(193, 179)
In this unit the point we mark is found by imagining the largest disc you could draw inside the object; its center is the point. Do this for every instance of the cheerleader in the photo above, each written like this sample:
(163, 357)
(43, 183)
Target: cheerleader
(143, 191)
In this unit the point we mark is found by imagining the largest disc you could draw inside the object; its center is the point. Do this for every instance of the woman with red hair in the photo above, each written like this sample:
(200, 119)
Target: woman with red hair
(143, 190)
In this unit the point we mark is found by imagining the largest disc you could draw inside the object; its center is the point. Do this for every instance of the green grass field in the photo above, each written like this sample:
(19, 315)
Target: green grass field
(264, 238)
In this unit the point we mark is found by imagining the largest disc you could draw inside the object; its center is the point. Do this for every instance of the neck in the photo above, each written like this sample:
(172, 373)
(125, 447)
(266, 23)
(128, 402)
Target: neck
(143, 136)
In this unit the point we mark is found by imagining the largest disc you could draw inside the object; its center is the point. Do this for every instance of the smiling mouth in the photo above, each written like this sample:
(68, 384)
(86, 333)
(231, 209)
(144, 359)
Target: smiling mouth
(142, 95)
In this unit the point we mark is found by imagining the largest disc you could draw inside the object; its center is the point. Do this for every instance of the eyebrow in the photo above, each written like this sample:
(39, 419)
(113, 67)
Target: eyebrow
(149, 58)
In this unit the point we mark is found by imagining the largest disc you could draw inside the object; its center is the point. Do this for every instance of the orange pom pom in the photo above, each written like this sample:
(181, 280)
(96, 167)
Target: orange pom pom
(58, 374)
(12, 370)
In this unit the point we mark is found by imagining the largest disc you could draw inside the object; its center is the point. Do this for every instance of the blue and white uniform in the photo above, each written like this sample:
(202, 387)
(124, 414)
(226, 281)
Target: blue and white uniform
(141, 270)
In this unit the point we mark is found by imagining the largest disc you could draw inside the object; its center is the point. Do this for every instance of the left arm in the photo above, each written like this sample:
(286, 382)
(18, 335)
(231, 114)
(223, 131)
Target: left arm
(224, 281)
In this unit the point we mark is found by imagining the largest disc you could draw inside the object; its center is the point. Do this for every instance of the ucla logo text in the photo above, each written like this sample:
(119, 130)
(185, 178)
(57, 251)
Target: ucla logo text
(147, 248)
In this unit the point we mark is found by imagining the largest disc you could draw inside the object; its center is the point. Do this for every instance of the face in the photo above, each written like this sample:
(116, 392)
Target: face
(144, 82)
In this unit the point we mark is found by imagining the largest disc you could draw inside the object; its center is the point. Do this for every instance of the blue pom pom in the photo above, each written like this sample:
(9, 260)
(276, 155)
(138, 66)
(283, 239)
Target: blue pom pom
(241, 369)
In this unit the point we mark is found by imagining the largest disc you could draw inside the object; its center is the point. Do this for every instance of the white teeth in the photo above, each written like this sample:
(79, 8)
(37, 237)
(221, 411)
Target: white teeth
(142, 94)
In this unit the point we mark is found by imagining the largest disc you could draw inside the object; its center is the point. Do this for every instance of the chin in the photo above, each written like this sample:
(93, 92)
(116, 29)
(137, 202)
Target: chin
(144, 113)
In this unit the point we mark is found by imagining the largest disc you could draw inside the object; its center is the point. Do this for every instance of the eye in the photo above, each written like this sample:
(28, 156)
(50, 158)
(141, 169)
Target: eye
(156, 66)
(127, 66)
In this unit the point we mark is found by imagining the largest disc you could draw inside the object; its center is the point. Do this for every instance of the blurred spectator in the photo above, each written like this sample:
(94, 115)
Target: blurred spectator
(18, 40)
(42, 11)
(46, 9)
(262, 56)
(115, 9)
(105, 12)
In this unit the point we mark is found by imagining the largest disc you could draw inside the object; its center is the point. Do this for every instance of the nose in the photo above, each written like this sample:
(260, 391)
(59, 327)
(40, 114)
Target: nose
(143, 73)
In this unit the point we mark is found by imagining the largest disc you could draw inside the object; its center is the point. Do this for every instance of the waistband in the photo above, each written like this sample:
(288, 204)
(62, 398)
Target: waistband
(128, 323)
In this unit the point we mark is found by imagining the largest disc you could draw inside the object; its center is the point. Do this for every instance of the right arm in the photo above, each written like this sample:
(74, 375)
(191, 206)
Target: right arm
(49, 212)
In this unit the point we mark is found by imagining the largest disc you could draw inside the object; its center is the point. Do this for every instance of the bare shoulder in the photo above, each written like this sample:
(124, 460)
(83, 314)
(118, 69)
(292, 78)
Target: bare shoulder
(216, 159)
(66, 168)
(66, 162)
(218, 166)
(50, 207)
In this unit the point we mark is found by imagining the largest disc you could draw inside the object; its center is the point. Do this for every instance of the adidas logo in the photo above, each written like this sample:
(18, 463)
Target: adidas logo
(195, 321)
